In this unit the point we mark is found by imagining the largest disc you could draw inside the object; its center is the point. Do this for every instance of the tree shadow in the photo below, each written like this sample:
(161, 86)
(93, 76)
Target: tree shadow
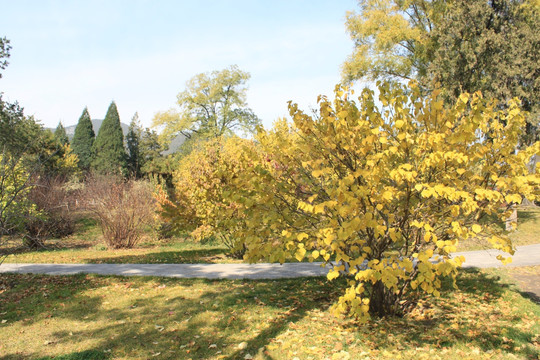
(197, 320)
(530, 295)
(203, 256)
(524, 215)
(13, 245)
(194, 318)
(26, 297)
(470, 317)
(80, 355)
(528, 214)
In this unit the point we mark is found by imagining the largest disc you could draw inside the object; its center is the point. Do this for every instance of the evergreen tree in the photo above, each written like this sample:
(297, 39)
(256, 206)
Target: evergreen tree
(83, 140)
(459, 45)
(110, 155)
(60, 134)
(152, 160)
(133, 140)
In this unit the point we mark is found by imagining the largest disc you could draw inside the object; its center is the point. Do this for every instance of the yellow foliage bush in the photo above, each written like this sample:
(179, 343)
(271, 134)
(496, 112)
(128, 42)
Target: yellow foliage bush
(383, 192)
(200, 182)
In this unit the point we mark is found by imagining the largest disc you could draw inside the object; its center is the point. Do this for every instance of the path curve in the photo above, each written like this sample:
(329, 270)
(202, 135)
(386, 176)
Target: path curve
(525, 256)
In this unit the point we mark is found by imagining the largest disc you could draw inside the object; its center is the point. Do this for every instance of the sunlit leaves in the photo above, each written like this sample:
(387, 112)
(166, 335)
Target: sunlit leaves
(385, 194)
(203, 183)
(213, 104)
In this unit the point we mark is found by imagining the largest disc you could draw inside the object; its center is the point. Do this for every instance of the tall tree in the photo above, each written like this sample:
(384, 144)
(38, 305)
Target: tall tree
(463, 45)
(18, 164)
(60, 134)
(153, 162)
(133, 140)
(493, 47)
(391, 39)
(18, 133)
(110, 154)
(4, 53)
(27, 152)
(213, 104)
(83, 140)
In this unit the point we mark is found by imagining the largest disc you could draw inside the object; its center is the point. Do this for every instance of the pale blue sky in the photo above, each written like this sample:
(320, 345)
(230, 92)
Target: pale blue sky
(70, 54)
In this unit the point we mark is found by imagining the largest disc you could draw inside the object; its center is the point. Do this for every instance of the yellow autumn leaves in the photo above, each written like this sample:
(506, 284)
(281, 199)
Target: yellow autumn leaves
(384, 193)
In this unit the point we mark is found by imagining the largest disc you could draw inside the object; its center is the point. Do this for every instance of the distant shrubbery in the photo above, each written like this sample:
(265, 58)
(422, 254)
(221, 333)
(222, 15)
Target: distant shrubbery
(123, 208)
(55, 212)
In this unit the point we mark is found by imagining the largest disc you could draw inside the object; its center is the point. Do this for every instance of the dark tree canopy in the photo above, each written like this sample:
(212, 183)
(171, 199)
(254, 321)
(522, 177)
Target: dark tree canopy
(492, 47)
(4, 53)
(83, 140)
(18, 133)
(153, 162)
(110, 154)
(460, 45)
(133, 139)
(60, 134)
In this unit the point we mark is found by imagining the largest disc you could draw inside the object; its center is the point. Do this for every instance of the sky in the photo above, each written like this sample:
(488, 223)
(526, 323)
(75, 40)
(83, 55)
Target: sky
(140, 53)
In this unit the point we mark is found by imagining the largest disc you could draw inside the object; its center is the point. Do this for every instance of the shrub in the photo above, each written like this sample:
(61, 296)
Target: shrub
(123, 208)
(381, 191)
(198, 204)
(15, 185)
(54, 217)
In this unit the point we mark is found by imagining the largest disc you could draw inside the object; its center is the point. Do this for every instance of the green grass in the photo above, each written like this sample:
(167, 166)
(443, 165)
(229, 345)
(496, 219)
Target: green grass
(87, 246)
(94, 317)
(526, 233)
(178, 252)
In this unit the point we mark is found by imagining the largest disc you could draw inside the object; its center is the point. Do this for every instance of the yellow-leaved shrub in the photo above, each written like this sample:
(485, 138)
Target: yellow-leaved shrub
(383, 192)
(200, 182)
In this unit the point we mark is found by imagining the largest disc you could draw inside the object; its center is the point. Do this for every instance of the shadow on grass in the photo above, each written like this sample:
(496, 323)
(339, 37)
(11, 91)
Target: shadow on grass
(13, 245)
(201, 319)
(173, 318)
(82, 355)
(528, 214)
(477, 315)
(530, 295)
(525, 215)
(227, 314)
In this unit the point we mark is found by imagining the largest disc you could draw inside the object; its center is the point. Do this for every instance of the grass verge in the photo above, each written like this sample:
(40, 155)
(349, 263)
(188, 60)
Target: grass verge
(86, 247)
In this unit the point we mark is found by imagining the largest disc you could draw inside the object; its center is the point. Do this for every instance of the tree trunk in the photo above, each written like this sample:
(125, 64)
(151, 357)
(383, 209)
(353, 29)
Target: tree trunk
(383, 301)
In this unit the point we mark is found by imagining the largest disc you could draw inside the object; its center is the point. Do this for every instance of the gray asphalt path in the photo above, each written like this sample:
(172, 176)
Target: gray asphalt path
(208, 271)
(527, 255)
(524, 256)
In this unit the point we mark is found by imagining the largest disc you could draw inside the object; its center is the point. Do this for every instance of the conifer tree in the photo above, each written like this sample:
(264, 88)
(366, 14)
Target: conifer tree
(133, 140)
(110, 154)
(152, 160)
(60, 134)
(83, 140)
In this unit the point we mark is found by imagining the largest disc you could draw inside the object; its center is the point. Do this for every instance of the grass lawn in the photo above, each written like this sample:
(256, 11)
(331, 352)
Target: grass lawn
(527, 232)
(177, 251)
(94, 317)
(86, 246)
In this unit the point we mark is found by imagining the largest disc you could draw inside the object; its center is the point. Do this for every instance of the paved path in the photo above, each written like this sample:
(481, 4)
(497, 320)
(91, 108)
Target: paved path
(524, 256)
(527, 255)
